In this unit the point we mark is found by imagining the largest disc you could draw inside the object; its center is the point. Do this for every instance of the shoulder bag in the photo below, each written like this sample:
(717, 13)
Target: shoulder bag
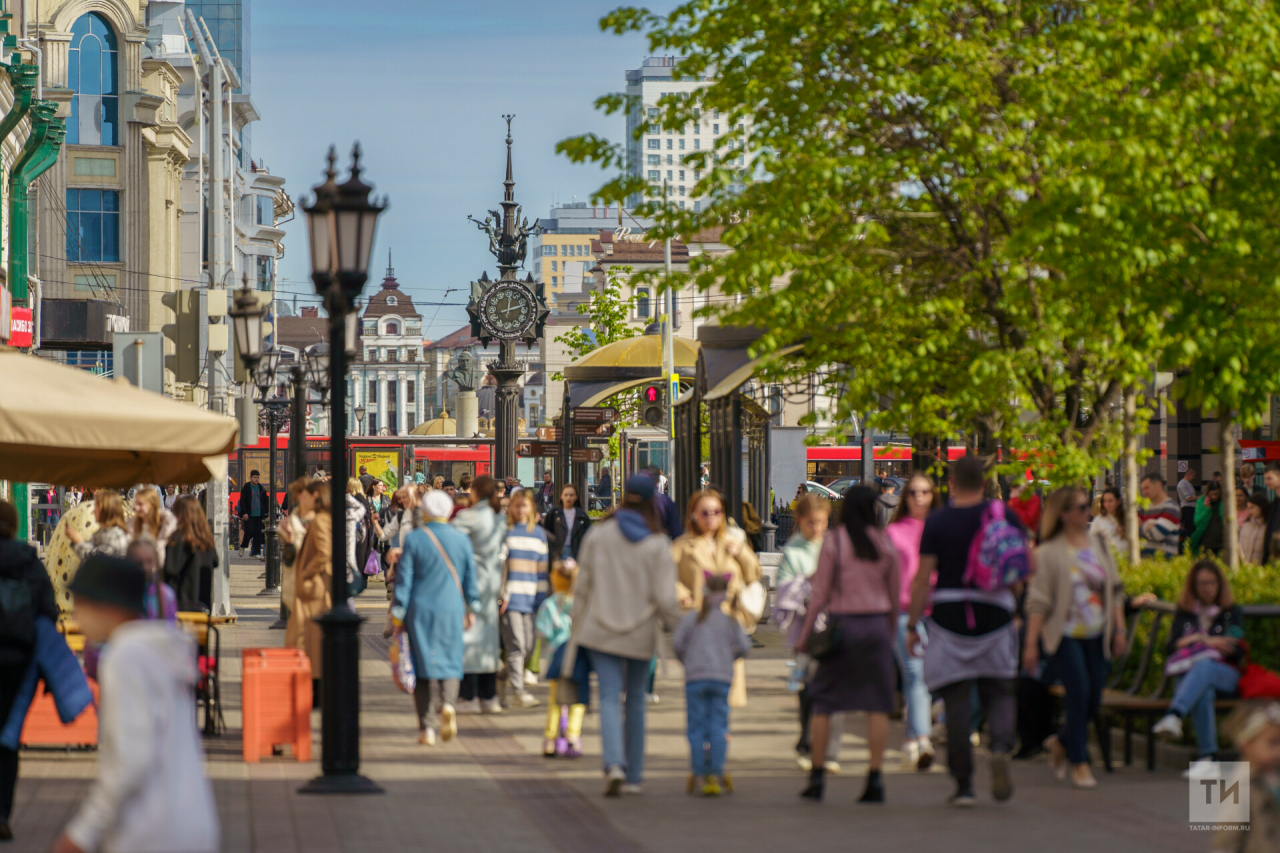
(444, 556)
(826, 642)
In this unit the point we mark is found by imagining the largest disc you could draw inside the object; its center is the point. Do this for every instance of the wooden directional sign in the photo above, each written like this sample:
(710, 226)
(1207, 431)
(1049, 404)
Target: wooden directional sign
(595, 414)
(550, 433)
(592, 430)
(538, 448)
(586, 454)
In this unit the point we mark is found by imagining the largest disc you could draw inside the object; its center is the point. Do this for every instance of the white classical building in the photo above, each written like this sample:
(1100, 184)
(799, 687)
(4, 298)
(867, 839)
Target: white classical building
(388, 373)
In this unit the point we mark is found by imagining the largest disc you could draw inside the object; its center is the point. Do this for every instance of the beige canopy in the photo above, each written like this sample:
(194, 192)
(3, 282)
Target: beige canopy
(66, 426)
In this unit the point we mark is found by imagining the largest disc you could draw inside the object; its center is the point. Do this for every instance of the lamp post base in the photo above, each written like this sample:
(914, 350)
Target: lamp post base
(271, 590)
(342, 783)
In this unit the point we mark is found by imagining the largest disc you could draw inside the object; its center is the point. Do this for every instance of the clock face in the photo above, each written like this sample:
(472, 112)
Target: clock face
(507, 310)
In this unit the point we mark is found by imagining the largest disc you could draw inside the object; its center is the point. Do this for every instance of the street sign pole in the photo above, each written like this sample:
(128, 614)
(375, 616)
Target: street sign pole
(669, 357)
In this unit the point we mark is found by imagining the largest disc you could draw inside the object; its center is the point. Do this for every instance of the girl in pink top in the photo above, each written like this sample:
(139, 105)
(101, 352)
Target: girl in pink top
(918, 499)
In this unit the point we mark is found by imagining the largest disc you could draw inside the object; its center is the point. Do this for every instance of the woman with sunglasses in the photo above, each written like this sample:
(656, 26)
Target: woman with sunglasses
(904, 532)
(1075, 607)
(706, 548)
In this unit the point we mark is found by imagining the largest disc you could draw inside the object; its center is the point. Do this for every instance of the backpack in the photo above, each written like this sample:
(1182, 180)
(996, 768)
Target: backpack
(998, 556)
(17, 614)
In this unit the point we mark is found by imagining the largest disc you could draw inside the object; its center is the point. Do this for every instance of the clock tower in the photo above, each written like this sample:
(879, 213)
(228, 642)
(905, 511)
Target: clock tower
(507, 310)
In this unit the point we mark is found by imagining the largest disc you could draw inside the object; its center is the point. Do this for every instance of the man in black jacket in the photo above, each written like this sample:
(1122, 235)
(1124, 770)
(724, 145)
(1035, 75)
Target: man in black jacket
(24, 587)
(253, 515)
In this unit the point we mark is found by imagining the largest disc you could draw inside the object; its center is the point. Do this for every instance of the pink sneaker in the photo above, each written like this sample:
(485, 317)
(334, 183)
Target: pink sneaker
(574, 748)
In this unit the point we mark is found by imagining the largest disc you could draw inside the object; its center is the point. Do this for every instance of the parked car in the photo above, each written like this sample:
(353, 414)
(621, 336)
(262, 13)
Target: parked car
(819, 489)
(841, 485)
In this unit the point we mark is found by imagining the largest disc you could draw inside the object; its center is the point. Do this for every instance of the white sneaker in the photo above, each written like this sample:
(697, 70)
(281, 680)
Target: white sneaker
(490, 706)
(630, 788)
(1203, 768)
(529, 678)
(926, 754)
(448, 723)
(614, 778)
(469, 706)
(427, 737)
(652, 698)
(832, 767)
(1170, 726)
(804, 762)
(910, 755)
(527, 700)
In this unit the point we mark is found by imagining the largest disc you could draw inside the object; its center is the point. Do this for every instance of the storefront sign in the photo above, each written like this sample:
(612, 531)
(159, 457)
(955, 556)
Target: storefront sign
(22, 327)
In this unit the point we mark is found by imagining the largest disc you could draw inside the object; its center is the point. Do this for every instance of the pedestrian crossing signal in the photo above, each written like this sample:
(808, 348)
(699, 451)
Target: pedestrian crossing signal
(653, 406)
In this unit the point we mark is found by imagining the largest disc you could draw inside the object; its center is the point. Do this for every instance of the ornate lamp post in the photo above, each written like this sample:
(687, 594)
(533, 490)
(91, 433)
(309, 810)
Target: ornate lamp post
(360, 420)
(340, 226)
(275, 412)
(507, 310)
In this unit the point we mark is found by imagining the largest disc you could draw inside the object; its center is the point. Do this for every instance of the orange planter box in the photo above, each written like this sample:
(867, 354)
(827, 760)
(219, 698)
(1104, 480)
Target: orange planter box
(276, 698)
(44, 728)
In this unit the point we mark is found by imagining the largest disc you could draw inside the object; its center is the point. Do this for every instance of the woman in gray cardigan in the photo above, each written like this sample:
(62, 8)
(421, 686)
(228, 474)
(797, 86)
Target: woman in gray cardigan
(1075, 607)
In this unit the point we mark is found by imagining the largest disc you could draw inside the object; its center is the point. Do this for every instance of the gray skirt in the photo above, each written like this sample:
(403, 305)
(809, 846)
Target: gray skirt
(860, 675)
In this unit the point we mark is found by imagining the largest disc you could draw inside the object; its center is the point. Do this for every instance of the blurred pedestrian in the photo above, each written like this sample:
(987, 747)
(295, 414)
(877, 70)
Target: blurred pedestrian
(161, 601)
(293, 529)
(709, 644)
(313, 578)
(151, 519)
(1271, 479)
(904, 531)
(567, 692)
(435, 603)
(1160, 522)
(191, 558)
(566, 524)
(485, 524)
(887, 502)
(1075, 608)
(1109, 523)
(464, 482)
(151, 792)
(856, 588)
(253, 510)
(1253, 530)
(604, 489)
(707, 547)
(112, 536)
(1255, 729)
(525, 585)
(667, 510)
(625, 590)
(25, 595)
(1209, 536)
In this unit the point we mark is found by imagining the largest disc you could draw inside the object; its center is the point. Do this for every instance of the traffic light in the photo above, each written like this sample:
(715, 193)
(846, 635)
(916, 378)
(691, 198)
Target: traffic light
(653, 403)
(185, 333)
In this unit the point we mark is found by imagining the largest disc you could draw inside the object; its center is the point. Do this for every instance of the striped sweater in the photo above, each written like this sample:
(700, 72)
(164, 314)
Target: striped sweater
(1160, 525)
(524, 556)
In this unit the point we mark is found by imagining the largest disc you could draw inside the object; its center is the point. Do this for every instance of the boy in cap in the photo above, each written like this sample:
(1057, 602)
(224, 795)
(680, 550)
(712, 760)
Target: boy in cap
(151, 794)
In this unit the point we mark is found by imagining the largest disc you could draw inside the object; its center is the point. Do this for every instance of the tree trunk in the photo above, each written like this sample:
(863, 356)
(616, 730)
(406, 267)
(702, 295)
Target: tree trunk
(1230, 524)
(1131, 476)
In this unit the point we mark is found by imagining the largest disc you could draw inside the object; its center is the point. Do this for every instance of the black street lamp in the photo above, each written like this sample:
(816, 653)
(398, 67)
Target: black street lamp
(340, 225)
(360, 420)
(275, 411)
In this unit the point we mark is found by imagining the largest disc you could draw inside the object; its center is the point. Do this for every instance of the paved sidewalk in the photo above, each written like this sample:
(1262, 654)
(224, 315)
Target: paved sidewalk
(490, 790)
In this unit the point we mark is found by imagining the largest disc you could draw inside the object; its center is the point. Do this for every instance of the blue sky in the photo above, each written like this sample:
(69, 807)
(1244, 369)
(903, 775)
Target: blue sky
(421, 84)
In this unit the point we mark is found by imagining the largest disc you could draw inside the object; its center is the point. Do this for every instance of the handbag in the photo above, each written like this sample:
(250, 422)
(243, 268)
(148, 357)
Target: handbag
(402, 663)
(826, 642)
(372, 565)
(753, 599)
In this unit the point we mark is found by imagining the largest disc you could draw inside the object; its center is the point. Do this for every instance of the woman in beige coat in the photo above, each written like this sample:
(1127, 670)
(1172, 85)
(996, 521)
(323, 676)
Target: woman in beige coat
(1075, 606)
(710, 547)
(313, 576)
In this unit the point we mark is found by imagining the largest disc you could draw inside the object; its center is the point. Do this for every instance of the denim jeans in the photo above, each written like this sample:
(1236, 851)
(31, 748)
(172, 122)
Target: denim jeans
(623, 744)
(917, 714)
(1083, 668)
(996, 696)
(1195, 695)
(707, 723)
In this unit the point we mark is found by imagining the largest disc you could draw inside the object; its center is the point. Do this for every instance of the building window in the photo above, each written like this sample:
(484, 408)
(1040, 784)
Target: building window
(263, 264)
(413, 354)
(642, 303)
(697, 144)
(654, 142)
(555, 266)
(410, 387)
(93, 226)
(682, 174)
(669, 178)
(682, 202)
(654, 175)
(554, 281)
(742, 161)
(373, 388)
(653, 112)
(715, 114)
(682, 189)
(655, 159)
(393, 328)
(391, 300)
(715, 128)
(264, 210)
(697, 207)
(370, 355)
(681, 144)
(669, 141)
(95, 283)
(93, 73)
(393, 355)
(697, 174)
(548, 250)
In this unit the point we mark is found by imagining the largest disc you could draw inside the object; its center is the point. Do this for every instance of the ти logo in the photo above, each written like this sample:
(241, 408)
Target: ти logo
(1221, 797)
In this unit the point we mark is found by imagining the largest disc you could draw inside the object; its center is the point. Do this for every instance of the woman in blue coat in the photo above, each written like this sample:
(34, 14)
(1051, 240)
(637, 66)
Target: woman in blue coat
(435, 599)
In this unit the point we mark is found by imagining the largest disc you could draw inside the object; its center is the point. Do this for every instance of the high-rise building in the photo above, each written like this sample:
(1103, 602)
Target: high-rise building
(560, 255)
(659, 155)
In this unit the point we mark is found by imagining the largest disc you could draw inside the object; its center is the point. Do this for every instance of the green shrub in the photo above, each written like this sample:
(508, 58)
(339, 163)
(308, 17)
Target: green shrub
(1250, 584)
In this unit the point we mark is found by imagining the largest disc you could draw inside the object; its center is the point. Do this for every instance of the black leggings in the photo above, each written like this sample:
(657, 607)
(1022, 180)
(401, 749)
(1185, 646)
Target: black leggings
(478, 685)
(10, 678)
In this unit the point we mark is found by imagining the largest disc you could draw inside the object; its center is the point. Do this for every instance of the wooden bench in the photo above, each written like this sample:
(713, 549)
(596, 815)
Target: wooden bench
(1125, 695)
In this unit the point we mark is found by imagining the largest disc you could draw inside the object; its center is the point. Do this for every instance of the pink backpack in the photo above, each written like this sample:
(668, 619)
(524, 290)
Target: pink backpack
(998, 556)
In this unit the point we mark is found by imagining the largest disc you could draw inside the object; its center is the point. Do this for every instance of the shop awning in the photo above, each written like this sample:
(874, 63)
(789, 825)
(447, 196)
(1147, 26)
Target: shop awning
(66, 426)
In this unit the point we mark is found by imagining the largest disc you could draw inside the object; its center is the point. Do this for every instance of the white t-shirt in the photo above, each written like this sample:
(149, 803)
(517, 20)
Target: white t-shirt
(1186, 493)
(569, 516)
